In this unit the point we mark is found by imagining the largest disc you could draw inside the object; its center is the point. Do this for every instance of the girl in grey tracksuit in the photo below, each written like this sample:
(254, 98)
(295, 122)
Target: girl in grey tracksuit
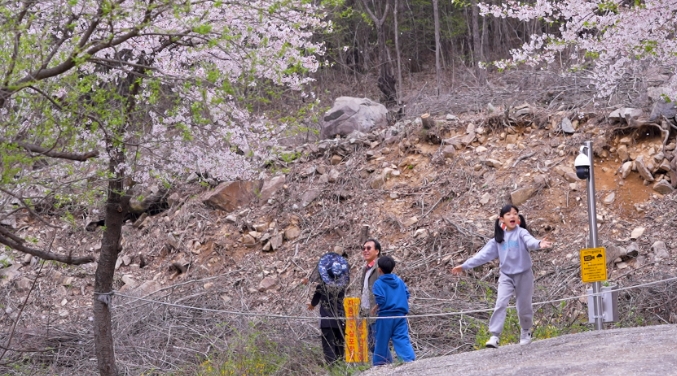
(511, 245)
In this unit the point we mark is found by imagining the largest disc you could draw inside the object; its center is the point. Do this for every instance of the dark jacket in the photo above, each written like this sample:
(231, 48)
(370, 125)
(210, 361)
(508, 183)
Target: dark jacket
(391, 295)
(331, 305)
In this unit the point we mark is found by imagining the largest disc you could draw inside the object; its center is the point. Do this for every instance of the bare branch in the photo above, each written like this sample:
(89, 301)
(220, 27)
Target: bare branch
(11, 240)
(17, 39)
(56, 154)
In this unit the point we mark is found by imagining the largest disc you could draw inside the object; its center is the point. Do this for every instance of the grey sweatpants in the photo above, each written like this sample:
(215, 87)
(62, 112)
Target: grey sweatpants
(522, 285)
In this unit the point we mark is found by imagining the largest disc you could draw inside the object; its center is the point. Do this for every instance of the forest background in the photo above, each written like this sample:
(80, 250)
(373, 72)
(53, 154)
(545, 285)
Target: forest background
(102, 99)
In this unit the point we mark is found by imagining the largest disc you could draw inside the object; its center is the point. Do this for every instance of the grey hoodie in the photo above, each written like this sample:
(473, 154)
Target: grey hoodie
(513, 253)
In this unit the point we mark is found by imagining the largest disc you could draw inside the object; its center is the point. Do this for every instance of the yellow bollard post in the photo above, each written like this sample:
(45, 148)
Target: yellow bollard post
(357, 350)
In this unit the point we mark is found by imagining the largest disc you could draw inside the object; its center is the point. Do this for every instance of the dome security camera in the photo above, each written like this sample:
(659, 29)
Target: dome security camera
(582, 164)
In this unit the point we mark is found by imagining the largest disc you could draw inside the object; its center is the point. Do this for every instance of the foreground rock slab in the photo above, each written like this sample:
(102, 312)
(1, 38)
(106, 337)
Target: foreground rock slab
(615, 352)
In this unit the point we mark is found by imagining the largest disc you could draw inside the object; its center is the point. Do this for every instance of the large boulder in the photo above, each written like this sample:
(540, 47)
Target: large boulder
(231, 195)
(353, 114)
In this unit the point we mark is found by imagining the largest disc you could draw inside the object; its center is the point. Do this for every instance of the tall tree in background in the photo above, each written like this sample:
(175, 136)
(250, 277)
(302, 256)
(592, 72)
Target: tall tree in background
(100, 97)
(478, 55)
(616, 37)
(386, 81)
(436, 16)
(397, 51)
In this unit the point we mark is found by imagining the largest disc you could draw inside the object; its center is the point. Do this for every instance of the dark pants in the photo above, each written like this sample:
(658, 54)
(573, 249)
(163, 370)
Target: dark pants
(332, 344)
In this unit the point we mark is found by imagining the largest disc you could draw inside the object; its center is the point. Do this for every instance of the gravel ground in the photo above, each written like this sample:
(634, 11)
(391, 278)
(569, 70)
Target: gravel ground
(616, 352)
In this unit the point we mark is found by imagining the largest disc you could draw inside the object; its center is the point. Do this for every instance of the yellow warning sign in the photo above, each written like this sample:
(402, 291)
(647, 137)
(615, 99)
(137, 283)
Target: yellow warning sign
(593, 264)
(356, 332)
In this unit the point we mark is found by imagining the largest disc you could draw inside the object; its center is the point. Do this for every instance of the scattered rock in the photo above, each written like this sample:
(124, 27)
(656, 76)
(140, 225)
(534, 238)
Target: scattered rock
(410, 222)
(333, 176)
(610, 198)
(663, 187)
(566, 126)
(231, 195)
(267, 283)
(248, 240)
(643, 170)
(23, 284)
(521, 195)
(276, 241)
(448, 151)
(626, 169)
(636, 233)
(335, 159)
(306, 172)
(660, 250)
(621, 113)
(292, 232)
(663, 108)
(309, 196)
(271, 186)
(493, 163)
(622, 152)
(129, 281)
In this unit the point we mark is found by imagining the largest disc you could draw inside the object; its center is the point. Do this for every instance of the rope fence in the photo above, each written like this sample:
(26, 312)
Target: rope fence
(303, 318)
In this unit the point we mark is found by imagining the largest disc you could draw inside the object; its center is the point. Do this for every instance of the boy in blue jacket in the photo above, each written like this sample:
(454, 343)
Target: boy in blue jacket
(391, 295)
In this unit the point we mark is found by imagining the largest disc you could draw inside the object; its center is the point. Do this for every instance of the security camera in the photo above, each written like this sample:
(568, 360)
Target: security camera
(582, 164)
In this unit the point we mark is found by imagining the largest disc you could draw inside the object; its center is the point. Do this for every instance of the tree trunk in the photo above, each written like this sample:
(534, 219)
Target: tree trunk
(399, 56)
(386, 81)
(103, 279)
(117, 206)
(436, 15)
(477, 42)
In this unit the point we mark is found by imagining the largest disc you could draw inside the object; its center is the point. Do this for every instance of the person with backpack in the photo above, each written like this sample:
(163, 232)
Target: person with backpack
(334, 273)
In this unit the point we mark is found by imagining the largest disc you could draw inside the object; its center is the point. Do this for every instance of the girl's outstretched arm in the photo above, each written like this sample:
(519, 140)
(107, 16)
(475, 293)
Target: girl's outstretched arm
(487, 253)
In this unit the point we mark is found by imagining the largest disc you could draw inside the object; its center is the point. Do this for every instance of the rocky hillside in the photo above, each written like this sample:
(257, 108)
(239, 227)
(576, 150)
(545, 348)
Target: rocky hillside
(224, 259)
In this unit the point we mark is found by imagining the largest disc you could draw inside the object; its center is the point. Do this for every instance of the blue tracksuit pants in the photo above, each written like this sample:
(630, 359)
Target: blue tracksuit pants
(396, 330)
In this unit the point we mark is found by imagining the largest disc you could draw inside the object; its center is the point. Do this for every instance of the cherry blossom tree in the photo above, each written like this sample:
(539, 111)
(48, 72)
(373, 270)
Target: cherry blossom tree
(98, 96)
(615, 36)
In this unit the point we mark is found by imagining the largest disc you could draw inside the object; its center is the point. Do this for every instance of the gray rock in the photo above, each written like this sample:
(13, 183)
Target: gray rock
(643, 170)
(663, 187)
(23, 284)
(663, 108)
(276, 241)
(660, 250)
(448, 151)
(351, 114)
(271, 186)
(610, 198)
(267, 283)
(129, 281)
(623, 153)
(231, 195)
(292, 232)
(637, 232)
(333, 176)
(566, 126)
(621, 113)
(493, 163)
(454, 141)
(468, 139)
(521, 195)
(309, 196)
(626, 169)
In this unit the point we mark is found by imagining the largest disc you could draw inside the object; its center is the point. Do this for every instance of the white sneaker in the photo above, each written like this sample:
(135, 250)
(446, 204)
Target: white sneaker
(525, 338)
(492, 342)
